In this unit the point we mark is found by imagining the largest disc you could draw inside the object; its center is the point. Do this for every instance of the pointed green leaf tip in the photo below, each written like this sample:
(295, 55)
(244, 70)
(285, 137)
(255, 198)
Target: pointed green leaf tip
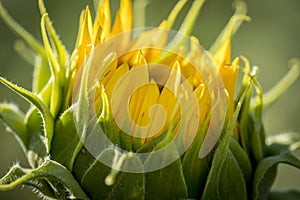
(62, 53)
(32, 98)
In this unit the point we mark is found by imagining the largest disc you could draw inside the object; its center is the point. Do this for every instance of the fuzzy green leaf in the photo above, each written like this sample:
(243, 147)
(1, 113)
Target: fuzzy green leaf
(14, 119)
(195, 169)
(266, 172)
(107, 122)
(168, 181)
(81, 163)
(81, 110)
(37, 150)
(60, 49)
(66, 138)
(41, 74)
(56, 73)
(258, 134)
(242, 159)
(33, 120)
(111, 183)
(49, 169)
(32, 98)
(226, 174)
(246, 124)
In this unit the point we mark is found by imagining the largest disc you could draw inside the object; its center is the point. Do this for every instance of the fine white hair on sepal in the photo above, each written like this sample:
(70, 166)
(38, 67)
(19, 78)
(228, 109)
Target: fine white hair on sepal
(8, 129)
(16, 163)
(47, 158)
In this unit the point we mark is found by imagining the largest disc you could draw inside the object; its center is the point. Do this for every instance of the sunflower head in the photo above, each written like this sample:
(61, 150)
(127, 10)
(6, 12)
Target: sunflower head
(155, 81)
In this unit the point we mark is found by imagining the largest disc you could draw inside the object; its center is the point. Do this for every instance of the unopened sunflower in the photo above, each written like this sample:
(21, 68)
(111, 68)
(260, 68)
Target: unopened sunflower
(143, 113)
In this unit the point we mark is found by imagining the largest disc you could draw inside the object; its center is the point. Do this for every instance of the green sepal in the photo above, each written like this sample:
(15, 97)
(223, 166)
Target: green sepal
(37, 145)
(157, 143)
(32, 98)
(113, 183)
(266, 172)
(258, 140)
(14, 119)
(106, 120)
(196, 169)
(168, 181)
(226, 175)
(66, 138)
(50, 170)
(283, 195)
(242, 159)
(83, 160)
(45, 93)
(258, 134)
(60, 49)
(81, 109)
(57, 75)
(252, 133)
(246, 124)
(150, 145)
(41, 73)
(37, 150)
(33, 120)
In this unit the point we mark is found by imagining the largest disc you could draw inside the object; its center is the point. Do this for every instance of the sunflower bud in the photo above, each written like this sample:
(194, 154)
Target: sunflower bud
(142, 113)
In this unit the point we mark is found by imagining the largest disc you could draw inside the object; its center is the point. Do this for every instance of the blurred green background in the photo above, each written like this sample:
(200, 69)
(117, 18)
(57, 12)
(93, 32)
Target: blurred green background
(270, 40)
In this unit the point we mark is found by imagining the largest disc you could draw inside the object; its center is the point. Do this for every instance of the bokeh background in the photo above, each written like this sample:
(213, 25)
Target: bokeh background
(270, 40)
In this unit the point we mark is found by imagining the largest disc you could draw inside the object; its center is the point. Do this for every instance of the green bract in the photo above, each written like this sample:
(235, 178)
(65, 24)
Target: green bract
(53, 133)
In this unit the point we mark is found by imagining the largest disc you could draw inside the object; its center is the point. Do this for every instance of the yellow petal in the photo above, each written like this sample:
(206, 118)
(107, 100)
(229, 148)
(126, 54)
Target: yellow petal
(203, 95)
(168, 96)
(229, 75)
(86, 29)
(140, 105)
(123, 21)
(101, 28)
(151, 42)
(222, 56)
(84, 40)
(121, 70)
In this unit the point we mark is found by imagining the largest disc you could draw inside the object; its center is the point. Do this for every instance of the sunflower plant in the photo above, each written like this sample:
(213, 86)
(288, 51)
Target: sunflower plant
(144, 113)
